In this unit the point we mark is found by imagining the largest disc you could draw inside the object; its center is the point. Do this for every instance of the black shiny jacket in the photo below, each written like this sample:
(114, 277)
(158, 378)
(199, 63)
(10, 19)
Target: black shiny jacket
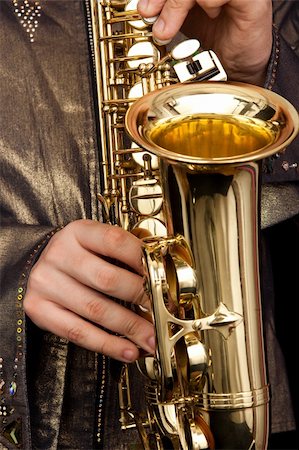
(49, 177)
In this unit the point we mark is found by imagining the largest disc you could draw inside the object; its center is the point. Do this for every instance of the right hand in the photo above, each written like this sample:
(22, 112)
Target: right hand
(238, 31)
(71, 289)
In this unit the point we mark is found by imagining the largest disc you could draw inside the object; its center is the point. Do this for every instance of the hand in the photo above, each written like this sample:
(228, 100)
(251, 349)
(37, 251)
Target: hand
(239, 31)
(70, 290)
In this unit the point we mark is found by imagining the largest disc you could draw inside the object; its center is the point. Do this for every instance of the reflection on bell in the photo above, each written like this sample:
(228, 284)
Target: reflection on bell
(212, 123)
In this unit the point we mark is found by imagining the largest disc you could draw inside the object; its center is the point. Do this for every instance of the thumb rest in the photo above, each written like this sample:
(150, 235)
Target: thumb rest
(190, 177)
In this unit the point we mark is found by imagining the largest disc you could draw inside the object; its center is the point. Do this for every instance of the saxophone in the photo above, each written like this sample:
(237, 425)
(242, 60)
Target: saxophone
(181, 161)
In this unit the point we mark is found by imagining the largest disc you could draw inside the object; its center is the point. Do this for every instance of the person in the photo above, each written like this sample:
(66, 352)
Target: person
(57, 256)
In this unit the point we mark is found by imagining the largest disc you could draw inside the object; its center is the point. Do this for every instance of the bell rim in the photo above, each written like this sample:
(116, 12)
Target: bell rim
(138, 111)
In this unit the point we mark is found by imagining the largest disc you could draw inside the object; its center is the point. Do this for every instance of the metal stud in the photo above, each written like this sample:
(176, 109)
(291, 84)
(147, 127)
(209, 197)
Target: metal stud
(27, 12)
(287, 166)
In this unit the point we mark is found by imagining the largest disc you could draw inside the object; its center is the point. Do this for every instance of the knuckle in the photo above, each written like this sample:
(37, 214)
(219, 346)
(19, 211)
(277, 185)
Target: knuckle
(140, 297)
(176, 4)
(114, 236)
(208, 4)
(104, 348)
(29, 306)
(54, 251)
(35, 289)
(76, 225)
(73, 231)
(132, 327)
(204, 3)
(37, 277)
(70, 228)
(75, 334)
(106, 280)
(95, 310)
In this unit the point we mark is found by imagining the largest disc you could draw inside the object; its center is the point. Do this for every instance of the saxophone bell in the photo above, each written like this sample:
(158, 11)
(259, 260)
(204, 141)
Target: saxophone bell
(203, 278)
(190, 179)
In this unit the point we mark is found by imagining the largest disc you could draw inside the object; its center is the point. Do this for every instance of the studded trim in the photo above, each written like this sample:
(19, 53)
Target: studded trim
(28, 13)
(10, 421)
(272, 69)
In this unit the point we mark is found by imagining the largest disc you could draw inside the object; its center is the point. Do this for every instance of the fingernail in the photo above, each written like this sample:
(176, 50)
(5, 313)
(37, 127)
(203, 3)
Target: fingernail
(159, 26)
(129, 355)
(160, 42)
(152, 343)
(143, 4)
(150, 20)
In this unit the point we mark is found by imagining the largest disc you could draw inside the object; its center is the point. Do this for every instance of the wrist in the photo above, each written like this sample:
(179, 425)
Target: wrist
(252, 70)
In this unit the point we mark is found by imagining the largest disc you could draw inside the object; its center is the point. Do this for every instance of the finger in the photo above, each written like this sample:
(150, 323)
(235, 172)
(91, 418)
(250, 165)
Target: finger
(66, 324)
(68, 293)
(171, 19)
(110, 241)
(150, 8)
(212, 7)
(103, 276)
(172, 14)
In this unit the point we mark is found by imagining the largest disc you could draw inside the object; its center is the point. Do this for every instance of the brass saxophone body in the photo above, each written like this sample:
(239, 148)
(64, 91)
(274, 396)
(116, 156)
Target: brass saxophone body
(191, 178)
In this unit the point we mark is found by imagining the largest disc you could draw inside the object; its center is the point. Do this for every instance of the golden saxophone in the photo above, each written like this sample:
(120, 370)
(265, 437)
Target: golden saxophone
(180, 160)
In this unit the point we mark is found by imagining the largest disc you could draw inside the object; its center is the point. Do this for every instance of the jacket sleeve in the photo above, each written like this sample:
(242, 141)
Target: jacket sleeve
(17, 257)
(48, 176)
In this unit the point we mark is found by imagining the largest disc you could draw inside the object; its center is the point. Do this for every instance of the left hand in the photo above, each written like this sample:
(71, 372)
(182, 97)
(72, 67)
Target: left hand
(239, 31)
(73, 287)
